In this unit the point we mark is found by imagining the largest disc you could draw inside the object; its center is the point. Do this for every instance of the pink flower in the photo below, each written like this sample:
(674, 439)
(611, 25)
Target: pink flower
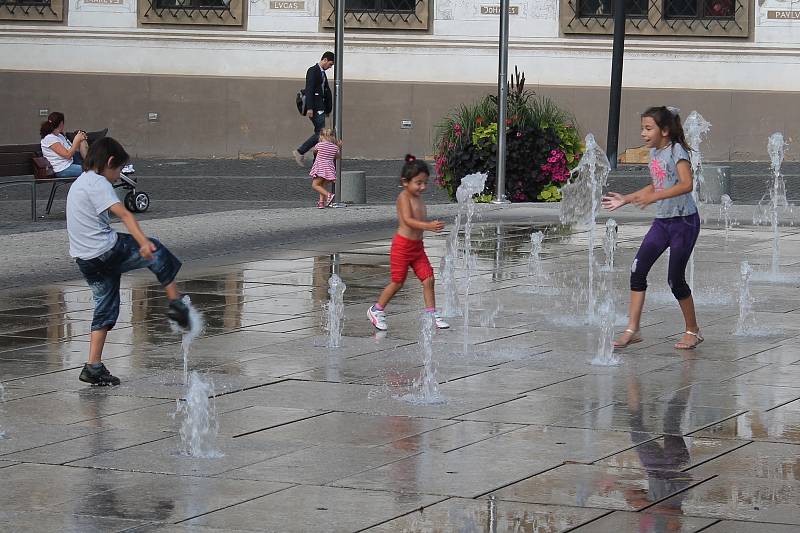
(519, 134)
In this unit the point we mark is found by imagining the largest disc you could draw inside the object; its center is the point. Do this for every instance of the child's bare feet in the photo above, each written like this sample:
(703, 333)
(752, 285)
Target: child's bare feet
(629, 336)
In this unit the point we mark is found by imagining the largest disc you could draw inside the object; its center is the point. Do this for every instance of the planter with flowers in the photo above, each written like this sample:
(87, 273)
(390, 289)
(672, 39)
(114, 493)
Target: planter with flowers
(543, 145)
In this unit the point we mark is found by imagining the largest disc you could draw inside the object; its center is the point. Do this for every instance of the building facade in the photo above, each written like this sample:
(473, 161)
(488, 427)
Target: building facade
(202, 78)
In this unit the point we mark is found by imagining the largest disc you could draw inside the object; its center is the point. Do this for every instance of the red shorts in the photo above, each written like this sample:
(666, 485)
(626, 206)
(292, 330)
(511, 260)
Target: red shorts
(408, 253)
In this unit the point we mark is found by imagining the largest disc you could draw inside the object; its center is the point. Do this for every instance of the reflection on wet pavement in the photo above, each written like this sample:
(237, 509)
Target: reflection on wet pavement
(531, 437)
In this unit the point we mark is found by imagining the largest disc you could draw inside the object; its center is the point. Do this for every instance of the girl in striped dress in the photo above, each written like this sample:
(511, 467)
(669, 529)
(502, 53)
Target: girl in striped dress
(326, 152)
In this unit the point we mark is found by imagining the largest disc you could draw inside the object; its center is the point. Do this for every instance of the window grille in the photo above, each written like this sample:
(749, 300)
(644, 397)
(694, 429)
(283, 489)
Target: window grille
(190, 8)
(383, 14)
(25, 8)
(192, 12)
(716, 18)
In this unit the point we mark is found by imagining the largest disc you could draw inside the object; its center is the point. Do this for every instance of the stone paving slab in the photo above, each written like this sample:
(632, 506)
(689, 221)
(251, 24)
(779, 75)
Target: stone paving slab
(526, 432)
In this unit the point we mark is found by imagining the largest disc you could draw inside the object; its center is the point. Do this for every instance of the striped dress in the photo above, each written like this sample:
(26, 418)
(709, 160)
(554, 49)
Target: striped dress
(325, 163)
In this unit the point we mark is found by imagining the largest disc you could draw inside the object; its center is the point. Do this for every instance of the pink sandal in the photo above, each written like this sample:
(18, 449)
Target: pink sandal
(329, 200)
(320, 205)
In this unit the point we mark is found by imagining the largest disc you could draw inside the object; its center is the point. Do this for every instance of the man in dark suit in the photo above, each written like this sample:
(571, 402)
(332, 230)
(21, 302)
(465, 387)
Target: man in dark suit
(318, 103)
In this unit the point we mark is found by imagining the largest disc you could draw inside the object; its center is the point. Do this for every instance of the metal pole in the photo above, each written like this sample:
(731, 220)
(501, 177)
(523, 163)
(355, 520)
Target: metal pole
(612, 140)
(502, 104)
(338, 69)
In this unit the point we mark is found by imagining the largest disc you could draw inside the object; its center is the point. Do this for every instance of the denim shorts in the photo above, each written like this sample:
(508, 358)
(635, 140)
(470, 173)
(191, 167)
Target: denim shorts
(103, 275)
(74, 170)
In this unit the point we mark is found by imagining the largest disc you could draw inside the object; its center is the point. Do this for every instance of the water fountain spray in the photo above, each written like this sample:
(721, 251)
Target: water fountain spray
(535, 270)
(334, 311)
(580, 201)
(746, 323)
(610, 244)
(696, 129)
(425, 389)
(199, 427)
(605, 355)
(768, 209)
(197, 326)
(725, 206)
(471, 185)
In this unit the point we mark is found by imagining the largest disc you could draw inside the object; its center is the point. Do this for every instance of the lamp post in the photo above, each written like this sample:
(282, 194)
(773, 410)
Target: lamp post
(612, 140)
(502, 106)
(338, 69)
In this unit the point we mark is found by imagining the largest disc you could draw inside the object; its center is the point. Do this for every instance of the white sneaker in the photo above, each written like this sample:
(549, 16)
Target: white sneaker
(439, 321)
(299, 158)
(378, 318)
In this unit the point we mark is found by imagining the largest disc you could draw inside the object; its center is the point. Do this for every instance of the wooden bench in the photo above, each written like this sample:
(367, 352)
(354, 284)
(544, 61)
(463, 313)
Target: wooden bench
(16, 160)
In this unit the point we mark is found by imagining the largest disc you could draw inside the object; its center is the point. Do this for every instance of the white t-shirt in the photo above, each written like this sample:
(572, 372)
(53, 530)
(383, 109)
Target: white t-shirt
(88, 221)
(56, 161)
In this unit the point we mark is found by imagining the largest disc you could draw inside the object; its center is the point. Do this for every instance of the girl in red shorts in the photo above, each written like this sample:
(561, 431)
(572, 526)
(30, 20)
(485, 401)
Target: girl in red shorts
(407, 247)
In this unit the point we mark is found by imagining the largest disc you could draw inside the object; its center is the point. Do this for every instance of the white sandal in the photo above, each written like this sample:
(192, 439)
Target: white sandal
(633, 339)
(680, 345)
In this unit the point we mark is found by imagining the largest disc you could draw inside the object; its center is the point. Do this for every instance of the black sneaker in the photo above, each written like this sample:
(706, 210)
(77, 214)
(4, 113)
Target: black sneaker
(98, 376)
(178, 312)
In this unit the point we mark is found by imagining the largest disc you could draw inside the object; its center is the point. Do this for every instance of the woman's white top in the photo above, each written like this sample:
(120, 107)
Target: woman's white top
(56, 161)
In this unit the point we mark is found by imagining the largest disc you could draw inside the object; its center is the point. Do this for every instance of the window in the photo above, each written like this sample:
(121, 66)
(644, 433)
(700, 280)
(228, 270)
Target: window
(197, 12)
(676, 9)
(633, 8)
(713, 18)
(32, 10)
(383, 14)
(389, 6)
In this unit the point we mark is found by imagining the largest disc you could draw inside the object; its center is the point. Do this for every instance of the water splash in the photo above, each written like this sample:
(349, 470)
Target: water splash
(489, 317)
(774, 200)
(725, 206)
(197, 325)
(696, 129)
(334, 311)
(580, 202)
(535, 270)
(447, 269)
(471, 185)
(747, 321)
(610, 244)
(425, 389)
(607, 314)
(199, 426)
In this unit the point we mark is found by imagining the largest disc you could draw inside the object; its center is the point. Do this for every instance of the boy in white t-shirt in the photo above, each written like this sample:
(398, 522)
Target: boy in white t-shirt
(103, 255)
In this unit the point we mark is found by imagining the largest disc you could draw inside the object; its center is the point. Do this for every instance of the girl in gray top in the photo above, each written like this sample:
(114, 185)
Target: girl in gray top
(676, 226)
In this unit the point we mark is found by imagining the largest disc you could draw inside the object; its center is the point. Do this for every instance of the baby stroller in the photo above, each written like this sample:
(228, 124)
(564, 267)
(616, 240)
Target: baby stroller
(134, 201)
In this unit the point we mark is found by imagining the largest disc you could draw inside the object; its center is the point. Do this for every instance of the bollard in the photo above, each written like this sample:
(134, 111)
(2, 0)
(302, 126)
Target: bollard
(717, 181)
(352, 187)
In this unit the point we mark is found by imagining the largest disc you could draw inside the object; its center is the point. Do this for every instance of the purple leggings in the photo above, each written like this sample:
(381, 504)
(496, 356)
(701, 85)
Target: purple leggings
(679, 235)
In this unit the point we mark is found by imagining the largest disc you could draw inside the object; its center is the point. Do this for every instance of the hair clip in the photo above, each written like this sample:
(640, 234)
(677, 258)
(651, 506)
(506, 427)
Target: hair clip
(674, 110)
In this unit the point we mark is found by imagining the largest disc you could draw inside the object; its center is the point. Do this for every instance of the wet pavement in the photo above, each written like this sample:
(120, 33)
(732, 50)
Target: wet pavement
(531, 436)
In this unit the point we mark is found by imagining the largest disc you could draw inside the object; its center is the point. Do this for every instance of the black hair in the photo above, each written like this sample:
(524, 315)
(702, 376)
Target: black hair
(328, 55)
(667, 120)
(54, 119)
(100, 151)
(413, 167)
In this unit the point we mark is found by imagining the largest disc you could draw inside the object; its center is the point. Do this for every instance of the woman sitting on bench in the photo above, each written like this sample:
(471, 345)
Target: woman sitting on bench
(65, 157)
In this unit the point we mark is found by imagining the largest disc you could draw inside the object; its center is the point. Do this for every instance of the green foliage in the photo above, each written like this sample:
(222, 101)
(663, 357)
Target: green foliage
(551, 193)
(483, 198)
(483, 134)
